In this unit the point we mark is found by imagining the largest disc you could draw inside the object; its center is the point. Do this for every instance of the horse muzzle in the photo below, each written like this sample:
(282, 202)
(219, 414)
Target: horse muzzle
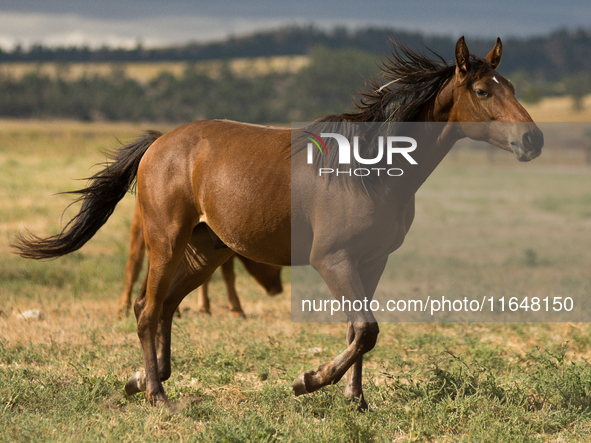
(527, 146)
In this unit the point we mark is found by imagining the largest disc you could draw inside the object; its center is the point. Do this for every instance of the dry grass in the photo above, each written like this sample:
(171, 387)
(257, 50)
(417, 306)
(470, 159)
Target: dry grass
(560, 109)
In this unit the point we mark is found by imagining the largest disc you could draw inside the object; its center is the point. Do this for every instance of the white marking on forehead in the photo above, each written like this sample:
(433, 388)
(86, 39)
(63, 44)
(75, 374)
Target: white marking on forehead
(495, 79)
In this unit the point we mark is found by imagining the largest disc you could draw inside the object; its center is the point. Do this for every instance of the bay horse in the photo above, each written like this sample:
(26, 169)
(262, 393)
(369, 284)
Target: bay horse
(268, 276)
(210, 189)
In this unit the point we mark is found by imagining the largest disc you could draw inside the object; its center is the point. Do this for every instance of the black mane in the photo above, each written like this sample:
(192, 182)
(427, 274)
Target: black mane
(409, 81)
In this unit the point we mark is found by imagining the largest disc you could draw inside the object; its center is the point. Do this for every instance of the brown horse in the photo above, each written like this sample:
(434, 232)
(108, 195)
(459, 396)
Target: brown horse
(209, 189)
(268, 276)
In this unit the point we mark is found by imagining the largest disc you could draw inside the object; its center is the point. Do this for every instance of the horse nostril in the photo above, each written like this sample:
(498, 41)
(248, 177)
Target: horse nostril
(527, 140)
(533, 140)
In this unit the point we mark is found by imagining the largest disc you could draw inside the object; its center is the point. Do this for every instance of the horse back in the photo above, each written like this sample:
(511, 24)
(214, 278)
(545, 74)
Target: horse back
(235, 177)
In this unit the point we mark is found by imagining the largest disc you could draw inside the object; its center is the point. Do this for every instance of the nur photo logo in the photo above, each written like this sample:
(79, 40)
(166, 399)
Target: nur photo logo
(384, 152)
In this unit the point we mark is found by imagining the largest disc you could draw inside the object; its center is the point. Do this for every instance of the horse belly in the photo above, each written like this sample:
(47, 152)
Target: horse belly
(251, 213)
(251, 234)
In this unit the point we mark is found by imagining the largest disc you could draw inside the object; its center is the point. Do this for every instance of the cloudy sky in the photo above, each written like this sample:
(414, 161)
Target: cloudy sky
(158, 22)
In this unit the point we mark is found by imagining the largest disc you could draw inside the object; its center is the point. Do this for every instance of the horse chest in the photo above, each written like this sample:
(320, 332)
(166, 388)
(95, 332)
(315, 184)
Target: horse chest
(367, 228)
(400, 223)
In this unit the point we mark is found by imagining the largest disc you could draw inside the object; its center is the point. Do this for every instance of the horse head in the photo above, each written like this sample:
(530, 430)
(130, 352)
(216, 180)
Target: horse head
(485, 108)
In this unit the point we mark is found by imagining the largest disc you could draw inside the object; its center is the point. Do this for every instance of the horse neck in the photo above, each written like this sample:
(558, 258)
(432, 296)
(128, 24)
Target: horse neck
(432, 147)
(435, 136)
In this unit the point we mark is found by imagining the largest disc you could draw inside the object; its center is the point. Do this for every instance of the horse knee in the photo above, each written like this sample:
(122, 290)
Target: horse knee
(367, 335)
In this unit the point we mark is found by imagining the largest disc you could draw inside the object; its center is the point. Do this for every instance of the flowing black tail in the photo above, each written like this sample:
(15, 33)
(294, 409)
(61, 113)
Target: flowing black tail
(99, 199)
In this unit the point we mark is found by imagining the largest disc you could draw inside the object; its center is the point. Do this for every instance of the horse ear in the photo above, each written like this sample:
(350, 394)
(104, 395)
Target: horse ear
(494, 56)
(462, 56)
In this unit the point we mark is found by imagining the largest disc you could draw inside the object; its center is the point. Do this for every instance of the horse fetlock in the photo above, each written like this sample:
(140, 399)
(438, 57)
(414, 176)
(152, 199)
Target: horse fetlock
(136, 383)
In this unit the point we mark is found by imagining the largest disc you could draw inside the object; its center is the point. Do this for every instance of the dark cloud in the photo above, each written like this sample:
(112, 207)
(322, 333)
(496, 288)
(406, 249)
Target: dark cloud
(158, 22)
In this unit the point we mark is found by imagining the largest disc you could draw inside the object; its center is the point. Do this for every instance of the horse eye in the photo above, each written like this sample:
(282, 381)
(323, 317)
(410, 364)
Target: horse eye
(480, 93)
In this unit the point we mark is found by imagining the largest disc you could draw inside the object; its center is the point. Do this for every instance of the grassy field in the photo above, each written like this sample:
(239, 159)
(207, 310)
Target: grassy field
(560, 109)
(484, 223)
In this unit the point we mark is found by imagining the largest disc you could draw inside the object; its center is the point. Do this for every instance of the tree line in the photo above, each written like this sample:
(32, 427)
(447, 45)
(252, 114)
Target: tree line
(558, 64)
(325, 86)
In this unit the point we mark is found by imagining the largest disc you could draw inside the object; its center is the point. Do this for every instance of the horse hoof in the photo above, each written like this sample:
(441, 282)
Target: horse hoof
(136, 383)
(299, 385)
(158, 398)
(238, 314)
(122, 313)
(362, 405)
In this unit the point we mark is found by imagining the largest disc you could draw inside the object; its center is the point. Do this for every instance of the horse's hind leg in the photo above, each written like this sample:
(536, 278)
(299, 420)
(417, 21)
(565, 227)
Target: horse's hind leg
(229, 278)
(134, 262)
(200, 260)
(203, 305)
(137, 382)
(230, 281)
(166, 240)
(199, 263)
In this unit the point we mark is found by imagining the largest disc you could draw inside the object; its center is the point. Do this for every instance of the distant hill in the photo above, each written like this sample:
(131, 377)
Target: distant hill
(548, 58)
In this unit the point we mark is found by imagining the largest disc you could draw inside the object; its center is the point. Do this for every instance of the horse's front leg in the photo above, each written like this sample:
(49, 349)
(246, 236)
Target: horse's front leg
(344, 280)
(354, 377)
(353, 389)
